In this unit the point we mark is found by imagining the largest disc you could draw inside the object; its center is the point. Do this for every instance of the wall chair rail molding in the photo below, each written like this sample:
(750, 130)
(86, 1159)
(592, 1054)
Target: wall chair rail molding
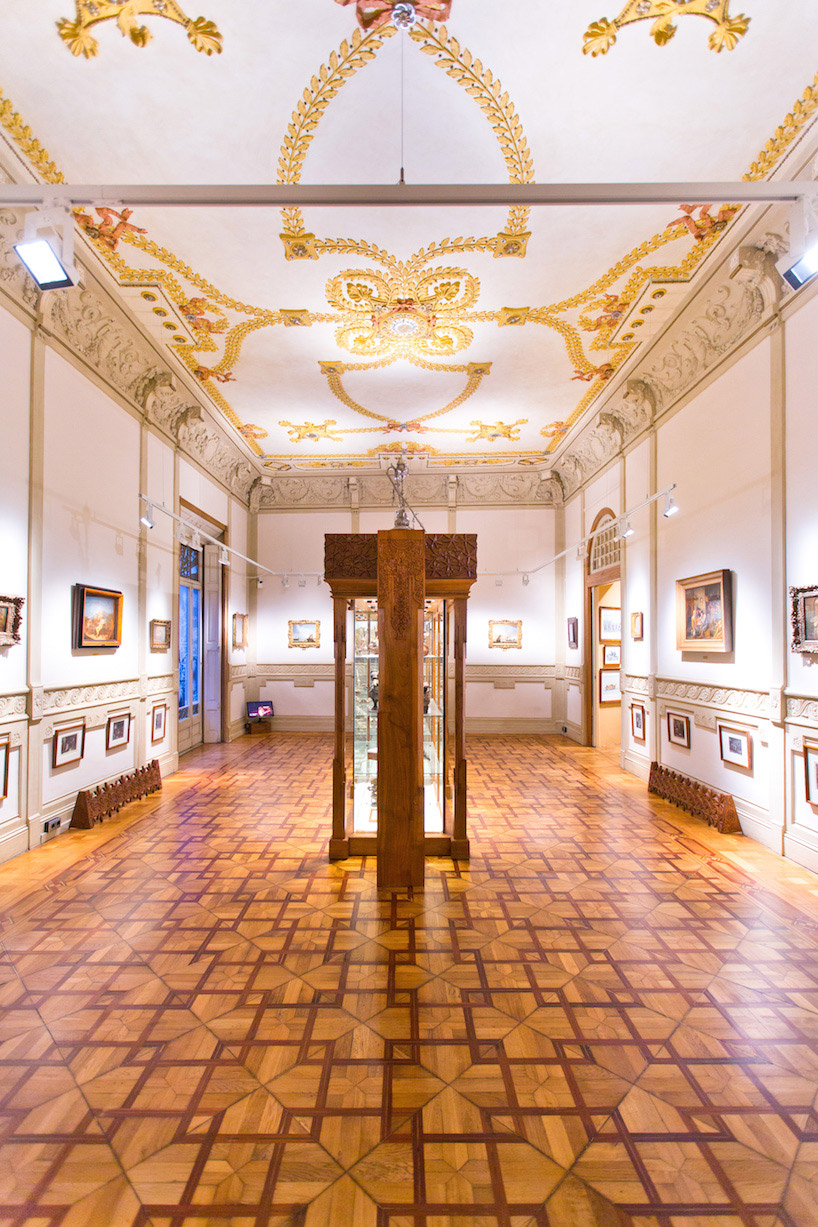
(72, 698)
(12, 706)
(801, 709)
(723, 698)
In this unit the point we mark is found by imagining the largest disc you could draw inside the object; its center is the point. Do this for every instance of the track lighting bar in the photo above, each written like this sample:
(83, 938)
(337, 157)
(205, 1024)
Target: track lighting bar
(380, 195)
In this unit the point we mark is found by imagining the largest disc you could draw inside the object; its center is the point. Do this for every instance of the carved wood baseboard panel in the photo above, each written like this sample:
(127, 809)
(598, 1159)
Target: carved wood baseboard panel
(94, 804)
(717, 808)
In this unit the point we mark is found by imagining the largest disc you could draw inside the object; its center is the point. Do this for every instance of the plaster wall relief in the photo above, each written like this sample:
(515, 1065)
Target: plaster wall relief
(801, 709)
(480, 490)
(727, 698)
(12, 706)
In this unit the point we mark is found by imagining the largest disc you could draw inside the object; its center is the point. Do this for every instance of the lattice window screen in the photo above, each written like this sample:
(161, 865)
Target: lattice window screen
(605, 547)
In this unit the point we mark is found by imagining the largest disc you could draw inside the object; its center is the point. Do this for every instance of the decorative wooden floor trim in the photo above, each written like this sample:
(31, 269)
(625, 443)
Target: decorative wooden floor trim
(94, 804)
(717, 808)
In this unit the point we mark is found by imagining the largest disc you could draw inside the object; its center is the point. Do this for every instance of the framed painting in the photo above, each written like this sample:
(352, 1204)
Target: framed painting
(609, 686)
(610, 624)
(159, 716)
(804, 616)
(4, 768)
(811, 770)
(68, 744)
(160, 635)
(678, 729)
(11, 617)
(573, 632)
(98, 617)
(118, 731)
(240, 622)
(504, 633)
(637, 625)
(612, 655)
(704, 613)
(303, 634)
(735, 746)
(638, 721)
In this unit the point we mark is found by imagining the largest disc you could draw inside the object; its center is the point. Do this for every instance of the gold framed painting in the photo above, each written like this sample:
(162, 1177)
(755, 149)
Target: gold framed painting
(637, 625)
(505, 633)
(11, 617)
(704, 612)
(303, 634)
(160, 635)
(240, 624)
(98, 617)
(804, 615)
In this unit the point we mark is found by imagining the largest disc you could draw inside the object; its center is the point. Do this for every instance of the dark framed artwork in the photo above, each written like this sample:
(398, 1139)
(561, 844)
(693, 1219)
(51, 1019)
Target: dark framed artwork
(159, 716)
(804, 615)
(637, 625)
(811, 770)
(98, 617)
(638, 721)
(610, 624)
(704, 613)
(678, 729)
(160, 635)
(68, 744)
(5, 750)
(735, 746)
(118, 731)
(573, 632)
(11, 618)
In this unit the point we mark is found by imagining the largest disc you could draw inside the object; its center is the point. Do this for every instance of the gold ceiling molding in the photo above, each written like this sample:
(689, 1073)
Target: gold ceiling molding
(601, 35)
(333, 371)
(376, 12)
(77, 36)
(496, 430)
(311, 431)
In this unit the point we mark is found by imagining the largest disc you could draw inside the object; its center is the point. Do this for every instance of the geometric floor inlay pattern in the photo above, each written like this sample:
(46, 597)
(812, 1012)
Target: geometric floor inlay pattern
(598, 1020)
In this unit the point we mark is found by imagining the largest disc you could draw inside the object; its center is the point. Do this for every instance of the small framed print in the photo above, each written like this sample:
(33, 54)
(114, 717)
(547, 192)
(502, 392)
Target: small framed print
(704, 613)
(504, 633)
(678, 729)
(637, 626)
(68, 744)
(160, 635)
(609, 691)
(804, 616)
(118, 731)
(612, 655)
(303, 634)
(98, 617)
(811, 770)
(573, 632)
(159, 716)
(610, 624)
(638, 721)
(11, 617)
(4, 768)
(240, 622)
(735, 746)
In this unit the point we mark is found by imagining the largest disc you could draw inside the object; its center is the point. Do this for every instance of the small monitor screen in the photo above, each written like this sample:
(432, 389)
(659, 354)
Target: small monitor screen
(259, 710)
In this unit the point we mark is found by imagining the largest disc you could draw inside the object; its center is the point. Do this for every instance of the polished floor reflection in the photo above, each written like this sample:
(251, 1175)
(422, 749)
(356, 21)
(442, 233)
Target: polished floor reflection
(609, 1016)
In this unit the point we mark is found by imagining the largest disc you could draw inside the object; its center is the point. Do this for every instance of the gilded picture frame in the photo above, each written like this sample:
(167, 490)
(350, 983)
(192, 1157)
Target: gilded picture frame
(159, 715)
(637, 625)
(68, 744)
(118, 730)
(98, 617)
(678, 729)
(11, 618)
(735, 746)
(240, 625)
(505, 633)
(804, 617)
(160, 634)
(704, 612)
(303, 633)
(811, 771)
(573, 632)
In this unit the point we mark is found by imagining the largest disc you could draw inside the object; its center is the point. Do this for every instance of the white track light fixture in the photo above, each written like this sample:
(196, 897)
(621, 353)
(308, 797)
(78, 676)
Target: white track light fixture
(147, 516)
(224, 558)
(671, 506)
(626, 529)
(47, 248)
(285, 581)
(526, 580)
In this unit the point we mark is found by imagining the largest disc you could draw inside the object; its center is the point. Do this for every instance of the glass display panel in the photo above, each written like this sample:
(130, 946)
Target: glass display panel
(434, 723)
(184, 651)
(365, 717)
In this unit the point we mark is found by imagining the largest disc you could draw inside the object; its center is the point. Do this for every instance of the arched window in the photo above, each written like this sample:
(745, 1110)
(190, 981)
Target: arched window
(605, 547)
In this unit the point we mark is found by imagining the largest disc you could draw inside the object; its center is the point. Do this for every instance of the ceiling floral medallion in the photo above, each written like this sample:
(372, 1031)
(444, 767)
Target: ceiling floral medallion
(601, 35)
(403, 316)
(403, 12)
(77, 35)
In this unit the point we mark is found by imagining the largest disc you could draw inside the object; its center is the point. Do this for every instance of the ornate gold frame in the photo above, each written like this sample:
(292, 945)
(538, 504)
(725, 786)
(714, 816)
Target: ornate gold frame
(518, 626)
(240, 624)
(304, 643)
(157, 626)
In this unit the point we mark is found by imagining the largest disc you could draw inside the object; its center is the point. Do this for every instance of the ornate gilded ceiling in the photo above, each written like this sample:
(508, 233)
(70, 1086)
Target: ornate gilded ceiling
(328, 338)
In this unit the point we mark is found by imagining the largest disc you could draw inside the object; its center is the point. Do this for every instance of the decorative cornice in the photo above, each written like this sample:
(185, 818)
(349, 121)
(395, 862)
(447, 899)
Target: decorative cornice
(12, 706)
(750, 702)
(290, 673)
(635, 683)
(483, 489)
(516, 673)
(160, 685)
(802, 707)
(71, 697)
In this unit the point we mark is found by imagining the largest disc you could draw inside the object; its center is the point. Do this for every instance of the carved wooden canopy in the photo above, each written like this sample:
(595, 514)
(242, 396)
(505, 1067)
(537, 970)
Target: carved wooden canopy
(351, 563)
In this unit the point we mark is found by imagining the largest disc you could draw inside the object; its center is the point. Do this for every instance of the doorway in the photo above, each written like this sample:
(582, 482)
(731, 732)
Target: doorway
(603, 635)
(190, 726)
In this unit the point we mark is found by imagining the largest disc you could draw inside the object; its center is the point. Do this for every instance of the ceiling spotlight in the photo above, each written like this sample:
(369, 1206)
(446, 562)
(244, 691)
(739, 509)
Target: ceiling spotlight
(257, 580)
(625, 529)
(223, 557)
(147, 516)
(285, 581)
(671, 507)
(803, 246)
(526, 580)
(47, 248)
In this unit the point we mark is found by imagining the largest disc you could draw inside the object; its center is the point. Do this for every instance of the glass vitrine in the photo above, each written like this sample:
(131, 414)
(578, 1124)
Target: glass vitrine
(364, 718)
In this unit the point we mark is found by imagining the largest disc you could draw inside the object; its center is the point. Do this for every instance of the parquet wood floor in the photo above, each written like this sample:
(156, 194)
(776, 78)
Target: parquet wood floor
(608, 1017)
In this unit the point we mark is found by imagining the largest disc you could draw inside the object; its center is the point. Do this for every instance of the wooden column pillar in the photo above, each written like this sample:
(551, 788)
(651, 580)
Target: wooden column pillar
(460, 843)
(338, 847)
(401, 594)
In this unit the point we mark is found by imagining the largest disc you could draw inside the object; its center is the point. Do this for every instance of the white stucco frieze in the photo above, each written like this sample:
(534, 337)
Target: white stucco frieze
(752, 702)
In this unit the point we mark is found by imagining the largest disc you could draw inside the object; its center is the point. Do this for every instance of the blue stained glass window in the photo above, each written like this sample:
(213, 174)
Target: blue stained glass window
(195, 630)
(184, 650)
